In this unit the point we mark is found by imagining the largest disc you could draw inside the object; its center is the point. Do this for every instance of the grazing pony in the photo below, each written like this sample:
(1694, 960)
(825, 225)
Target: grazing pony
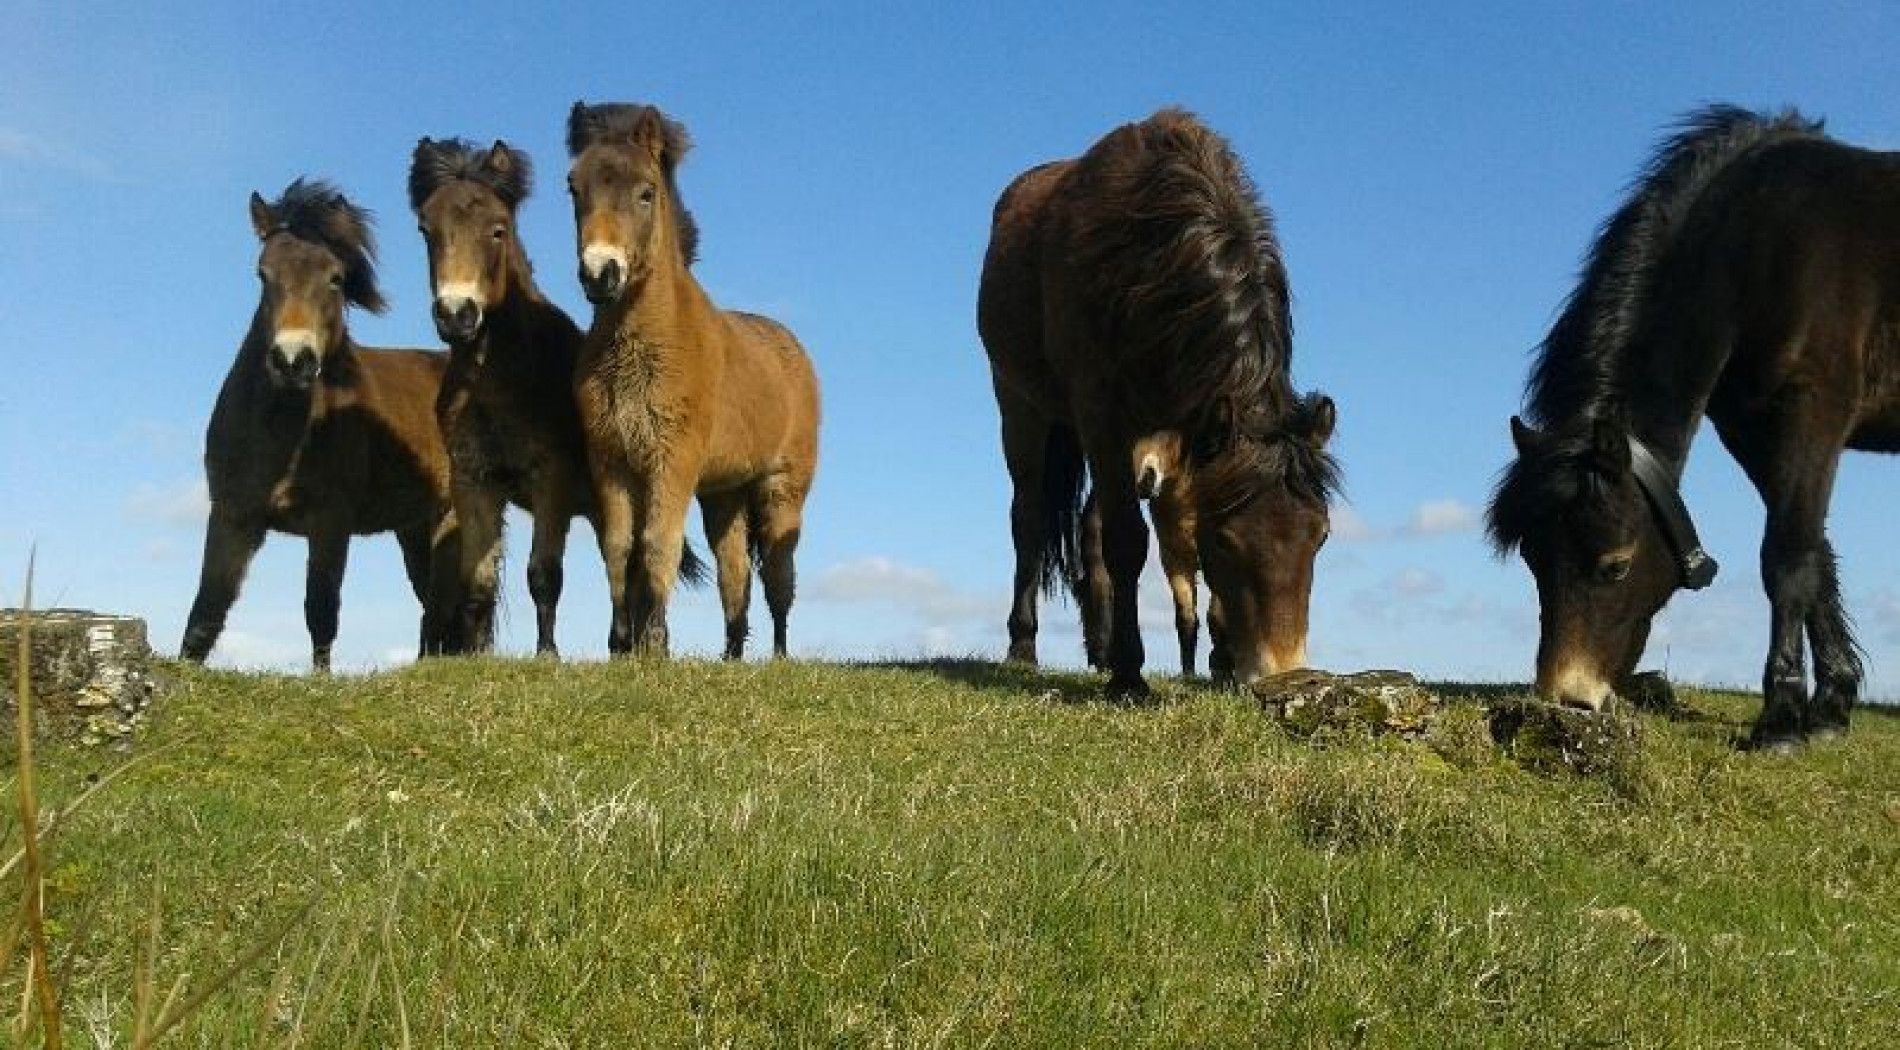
(318, 437)
(677, 397)
(506, 410)
(1752, 276)
(1133, 292)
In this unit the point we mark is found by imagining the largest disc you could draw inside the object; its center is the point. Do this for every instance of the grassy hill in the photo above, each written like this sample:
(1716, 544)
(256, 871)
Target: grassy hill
(519, 854)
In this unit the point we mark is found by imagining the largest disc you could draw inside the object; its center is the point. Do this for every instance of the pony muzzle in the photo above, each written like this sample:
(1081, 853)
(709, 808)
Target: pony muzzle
(293, 360)
(603, 273)
(1148, 484)
(1576, 687)
(458, 316)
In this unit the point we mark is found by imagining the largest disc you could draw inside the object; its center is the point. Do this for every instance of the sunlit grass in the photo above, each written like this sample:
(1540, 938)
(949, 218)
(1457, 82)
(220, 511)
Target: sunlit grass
(520, 854)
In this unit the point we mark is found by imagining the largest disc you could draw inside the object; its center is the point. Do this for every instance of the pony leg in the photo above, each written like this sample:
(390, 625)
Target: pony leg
(778, 509)
(1220, 659)
(442, 608)
(725, 515)
(417, 543)
(552, 516)
(1124, 550)
(615, 532)
(656, 563)
(1026, 434)
(230, 544)
(1179, 561)
(1092, 587)
(323, 591)
(479, 513)
(1797, 571)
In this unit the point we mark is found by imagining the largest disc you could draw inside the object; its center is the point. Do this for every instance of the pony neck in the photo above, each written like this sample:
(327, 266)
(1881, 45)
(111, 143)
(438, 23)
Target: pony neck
(1663, 394)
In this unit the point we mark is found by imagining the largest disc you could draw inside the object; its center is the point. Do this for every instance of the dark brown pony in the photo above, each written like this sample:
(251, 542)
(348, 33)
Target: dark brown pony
(506, 410)
(1138, 291)
(1752, 276)
(318, 437)
(678, 397)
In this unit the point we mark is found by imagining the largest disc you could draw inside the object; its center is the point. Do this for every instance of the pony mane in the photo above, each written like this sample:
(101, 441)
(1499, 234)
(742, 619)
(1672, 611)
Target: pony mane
(624, 124)
(1186, 267)
(437, 162)
(1280, 450)
(1576, 362)
(1538, 485)
(314, 210)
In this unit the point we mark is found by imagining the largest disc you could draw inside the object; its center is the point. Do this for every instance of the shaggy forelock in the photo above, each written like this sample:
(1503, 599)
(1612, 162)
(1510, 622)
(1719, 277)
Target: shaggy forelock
(314, 210)
(437, 162)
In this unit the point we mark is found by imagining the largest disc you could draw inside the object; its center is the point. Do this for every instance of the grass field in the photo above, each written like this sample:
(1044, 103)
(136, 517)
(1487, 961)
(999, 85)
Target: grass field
(954, 854)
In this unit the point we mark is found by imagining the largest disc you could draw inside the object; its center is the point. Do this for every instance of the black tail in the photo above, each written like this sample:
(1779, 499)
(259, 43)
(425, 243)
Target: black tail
(693, 571)
(1064, 480)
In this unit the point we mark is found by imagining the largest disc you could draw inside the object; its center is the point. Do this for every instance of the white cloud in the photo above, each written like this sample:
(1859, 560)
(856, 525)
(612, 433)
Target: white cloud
(249, 652)
(19, 147)
(1441, 517)
(1351, 526)
(178, 504)
(1415, 582)
(876, 579)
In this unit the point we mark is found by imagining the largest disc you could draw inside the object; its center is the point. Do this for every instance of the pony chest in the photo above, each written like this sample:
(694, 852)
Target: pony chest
(634, 396)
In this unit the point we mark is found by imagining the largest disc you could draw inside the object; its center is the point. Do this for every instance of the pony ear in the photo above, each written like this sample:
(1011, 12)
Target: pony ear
(661, 136)
(512, 175)
(1524, 436)
(1610, 444)
(1321, 417)
(263, 220)
(500, 159)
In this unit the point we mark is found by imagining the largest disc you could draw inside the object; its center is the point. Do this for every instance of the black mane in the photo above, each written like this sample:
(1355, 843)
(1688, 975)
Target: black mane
(622, 124)
(1575, 365)
(314, 210)
(437, 162)
(1574, 382)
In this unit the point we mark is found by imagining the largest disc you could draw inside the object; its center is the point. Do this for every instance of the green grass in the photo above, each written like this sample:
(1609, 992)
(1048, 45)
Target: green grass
(519, 854)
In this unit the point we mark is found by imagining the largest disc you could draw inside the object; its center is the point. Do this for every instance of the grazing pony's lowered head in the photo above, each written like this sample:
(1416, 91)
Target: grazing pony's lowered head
(1262, 515)
(628, 216)
(1572, 504)
(318, 257)
(465, 199)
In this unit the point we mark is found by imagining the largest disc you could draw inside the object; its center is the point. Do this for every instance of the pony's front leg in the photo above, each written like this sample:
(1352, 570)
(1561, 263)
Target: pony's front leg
(614, 529)
(1180, 561)
(230, 544)
(479, 511)
(1124, 550)
(553, 511)
(323, 590)
(662, 534)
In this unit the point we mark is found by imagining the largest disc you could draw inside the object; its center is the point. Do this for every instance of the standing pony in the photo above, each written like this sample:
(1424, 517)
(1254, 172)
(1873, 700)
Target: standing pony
(1133, 292)
(318, 437)
(1753, 276)
(507, 409)
(678, 397)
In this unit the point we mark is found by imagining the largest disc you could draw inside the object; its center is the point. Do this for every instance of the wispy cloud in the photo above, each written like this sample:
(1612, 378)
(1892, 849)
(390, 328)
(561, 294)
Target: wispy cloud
(26, 150)
(879, 580)
(1441, 517)
(178, 504)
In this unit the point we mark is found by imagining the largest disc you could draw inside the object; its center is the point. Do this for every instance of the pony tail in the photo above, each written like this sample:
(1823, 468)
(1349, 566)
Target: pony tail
(1064, 482)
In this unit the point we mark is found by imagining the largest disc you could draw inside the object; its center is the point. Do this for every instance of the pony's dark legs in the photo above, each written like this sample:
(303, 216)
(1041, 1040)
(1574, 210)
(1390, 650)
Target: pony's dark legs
(479, 511)
(1124, 551)
(725, 519)
(1798, 573)
(1092, 588)
(1220, 659)
(230, 543)
(442, 608)
(323, 591)
(1025, 449)
(418, 557)
(553, 513)
(779, 509)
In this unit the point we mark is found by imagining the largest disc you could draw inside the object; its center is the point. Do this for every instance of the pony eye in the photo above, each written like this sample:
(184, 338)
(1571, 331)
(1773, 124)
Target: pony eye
(646, 195)
(336, 282)
(499, 231)
(1613, 570)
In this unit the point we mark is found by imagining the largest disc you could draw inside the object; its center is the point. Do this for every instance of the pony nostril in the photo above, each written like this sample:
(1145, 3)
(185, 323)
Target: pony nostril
(1150, 484)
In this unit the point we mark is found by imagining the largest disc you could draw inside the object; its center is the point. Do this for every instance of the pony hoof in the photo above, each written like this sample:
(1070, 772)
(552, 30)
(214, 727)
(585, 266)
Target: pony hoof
(1780, 743)
(1129, 689)
(1827, 731)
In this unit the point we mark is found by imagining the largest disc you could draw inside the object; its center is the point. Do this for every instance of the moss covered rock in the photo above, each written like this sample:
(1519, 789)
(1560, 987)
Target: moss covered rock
(91, 673)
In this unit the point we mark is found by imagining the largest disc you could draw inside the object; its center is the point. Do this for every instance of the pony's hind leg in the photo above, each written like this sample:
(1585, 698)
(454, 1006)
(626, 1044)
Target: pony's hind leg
(778, 515)
(552, 516)
(418, 557)
(726, 533)
(1837, 663)
(1028, 438)
(1124, 550)
(323, 590)
(1179, 561)
(1092, 587)
(230, 544)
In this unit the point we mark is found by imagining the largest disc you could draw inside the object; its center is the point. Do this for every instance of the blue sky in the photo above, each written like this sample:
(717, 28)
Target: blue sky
(1436, 171)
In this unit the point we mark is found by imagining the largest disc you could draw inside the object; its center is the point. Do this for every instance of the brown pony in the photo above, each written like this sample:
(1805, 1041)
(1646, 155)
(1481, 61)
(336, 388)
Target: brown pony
(1137, 291)
(1753, 276)
(506, 410)
(678, 397)
(318, 437)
